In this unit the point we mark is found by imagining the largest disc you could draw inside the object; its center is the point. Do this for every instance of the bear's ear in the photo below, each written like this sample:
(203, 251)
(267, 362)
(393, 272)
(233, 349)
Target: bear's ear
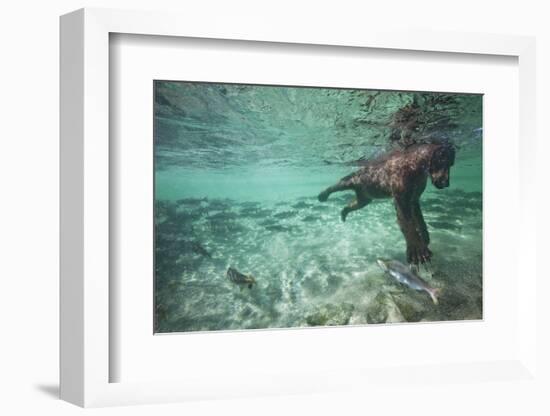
(442, 156)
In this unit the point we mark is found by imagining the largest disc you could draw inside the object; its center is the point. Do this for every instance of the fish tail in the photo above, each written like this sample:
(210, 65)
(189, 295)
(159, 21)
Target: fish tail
(434, 293)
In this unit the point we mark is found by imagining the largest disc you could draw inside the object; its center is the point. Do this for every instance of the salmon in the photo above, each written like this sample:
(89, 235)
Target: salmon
(404, 275)
(240, 279)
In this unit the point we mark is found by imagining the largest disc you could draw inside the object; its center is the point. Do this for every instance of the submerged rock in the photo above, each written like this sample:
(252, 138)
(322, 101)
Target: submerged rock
(388, 308)
(412, 305)
(377, 312)
(394, 314)
(330, 314)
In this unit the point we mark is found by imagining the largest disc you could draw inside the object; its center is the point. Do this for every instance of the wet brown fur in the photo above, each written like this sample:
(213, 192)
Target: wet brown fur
(402, 175)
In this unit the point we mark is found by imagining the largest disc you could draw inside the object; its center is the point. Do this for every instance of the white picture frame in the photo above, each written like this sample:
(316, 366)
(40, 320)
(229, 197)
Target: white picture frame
(85, 213)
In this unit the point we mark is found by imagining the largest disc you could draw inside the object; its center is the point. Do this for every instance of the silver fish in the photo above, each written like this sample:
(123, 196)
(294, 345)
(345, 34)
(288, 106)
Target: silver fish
(408, 277)
(240, 279)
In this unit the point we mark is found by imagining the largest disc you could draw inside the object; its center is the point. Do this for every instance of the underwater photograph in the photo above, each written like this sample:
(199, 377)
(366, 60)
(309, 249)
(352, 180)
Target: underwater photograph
(294, 207)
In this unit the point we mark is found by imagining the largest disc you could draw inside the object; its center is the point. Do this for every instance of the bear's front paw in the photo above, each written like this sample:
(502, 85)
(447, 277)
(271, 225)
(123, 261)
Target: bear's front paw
(323, 196)
(344, 213)
(418, 254)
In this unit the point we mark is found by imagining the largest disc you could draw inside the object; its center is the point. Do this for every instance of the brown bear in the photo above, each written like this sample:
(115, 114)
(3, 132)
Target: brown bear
(402, 175)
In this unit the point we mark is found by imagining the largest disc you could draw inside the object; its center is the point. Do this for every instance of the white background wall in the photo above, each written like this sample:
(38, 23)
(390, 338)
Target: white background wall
(29, 183)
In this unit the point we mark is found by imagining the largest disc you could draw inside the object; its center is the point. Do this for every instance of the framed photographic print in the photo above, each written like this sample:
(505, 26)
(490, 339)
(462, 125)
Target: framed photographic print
(246, 236)
(265, 213)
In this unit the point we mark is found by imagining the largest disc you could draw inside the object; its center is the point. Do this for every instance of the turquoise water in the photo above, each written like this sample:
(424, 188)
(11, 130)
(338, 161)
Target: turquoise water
(237, 173)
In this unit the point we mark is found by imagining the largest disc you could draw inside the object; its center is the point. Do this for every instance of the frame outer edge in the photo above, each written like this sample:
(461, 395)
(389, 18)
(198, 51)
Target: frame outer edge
(527, 299)
(378, 36)
(96, 207)
(84, 182)
(71, 203)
